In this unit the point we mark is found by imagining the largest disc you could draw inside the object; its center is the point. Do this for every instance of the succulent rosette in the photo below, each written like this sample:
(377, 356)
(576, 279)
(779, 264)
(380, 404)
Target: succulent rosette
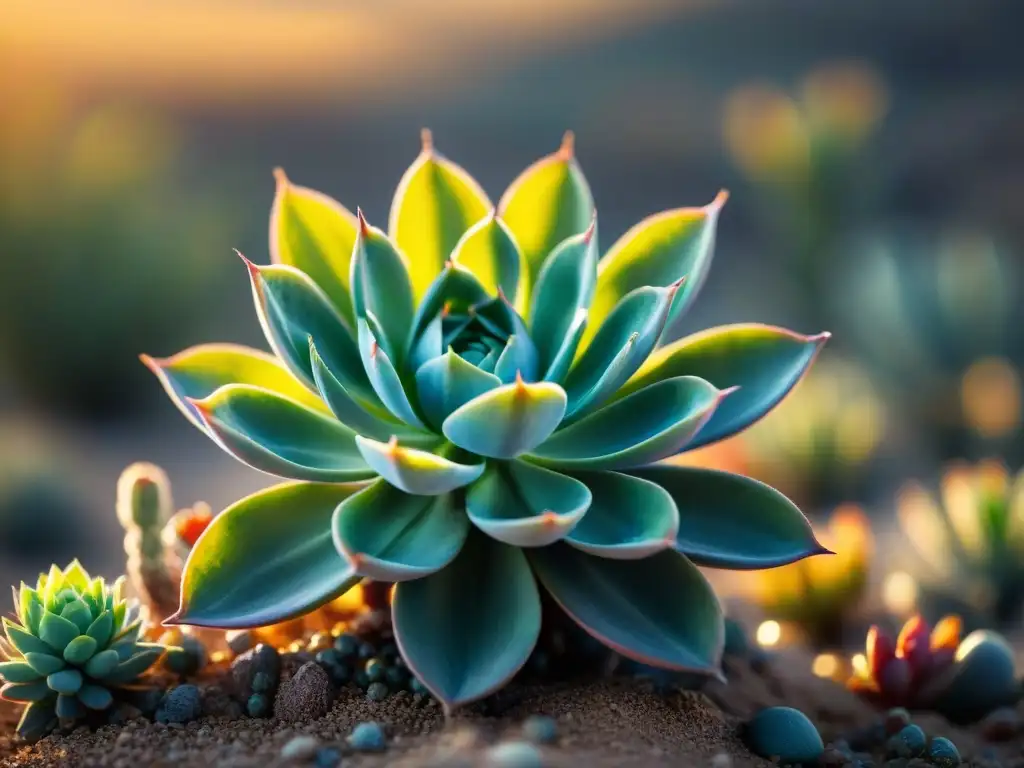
(473, 406)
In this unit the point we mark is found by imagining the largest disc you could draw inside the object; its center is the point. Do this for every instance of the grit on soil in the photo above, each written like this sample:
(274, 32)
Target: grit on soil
(610, 722)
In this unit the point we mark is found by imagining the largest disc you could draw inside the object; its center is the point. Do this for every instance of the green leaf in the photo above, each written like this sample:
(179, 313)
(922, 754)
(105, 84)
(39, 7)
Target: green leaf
(763, 361)
(384, 377)
(659, 251)
(415, 471)
(517, 359)
(380, 424)
(466, 630)
(524, 505)
(448, 382)
(68, 707)
(380, 286)
(435, 203)
(558, 312)
(199, 371)
(102, 629)
(648, 426)
(76, 577)
(489, 250)
(624, 604)
(95, 697)
(79, 613)
(454, 290)
(25, 692)
(37, 720)
(44, 663)
(56, 631)
(630, 518)
(279, 436)
(315, 234)
(508, 420)
(67, 681)
(102, 664)
(547, 203)
(628, 335)
(129, 670)
(18, 672)
(291, 308)
(23, 599)
(389, 535)
(80, 650)
(729, 521)
(266, 558)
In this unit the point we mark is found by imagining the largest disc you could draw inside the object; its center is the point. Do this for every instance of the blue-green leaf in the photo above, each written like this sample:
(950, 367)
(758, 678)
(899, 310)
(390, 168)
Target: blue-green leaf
(627, 337)
(102, 629)
(315, 234)
(67, 681)
(466, 630)
(95, 697)
(128, 670)
(415, 471)
(279, 436)
(18, 672)
(454, 290)
(80, 650)
(102, 664)
(287, 567)
(648, 426)
(659, 251)
(629, 518)
(56, 631)
(448, 382)
(383, 376)
(67, 706)
(37, 720)
(435, 203)
(25, 692)
(518, 358)
(489, 250)
(381, 287)
(389, 535)
(729, 521)
(547, 203)
(44, 663)
(763, 361)
(524, 505)
(23, 641)
(658, 610)
(558, 310)
(291, 308)
(508, 420)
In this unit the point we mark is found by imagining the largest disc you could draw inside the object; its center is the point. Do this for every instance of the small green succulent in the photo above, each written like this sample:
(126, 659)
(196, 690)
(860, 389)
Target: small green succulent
(74, 649)
(473, 405)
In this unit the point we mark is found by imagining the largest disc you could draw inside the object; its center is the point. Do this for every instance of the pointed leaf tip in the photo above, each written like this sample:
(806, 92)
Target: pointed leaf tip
(591, 229)
(426, 140)
(364, 227)
(568, 147)
(720, 200)
(280, 177)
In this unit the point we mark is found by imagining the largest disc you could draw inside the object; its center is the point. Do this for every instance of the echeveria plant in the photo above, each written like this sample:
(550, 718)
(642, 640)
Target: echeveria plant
(474, 407)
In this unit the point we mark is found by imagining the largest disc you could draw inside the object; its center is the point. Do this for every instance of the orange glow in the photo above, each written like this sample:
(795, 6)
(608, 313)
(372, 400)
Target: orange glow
(990, 395)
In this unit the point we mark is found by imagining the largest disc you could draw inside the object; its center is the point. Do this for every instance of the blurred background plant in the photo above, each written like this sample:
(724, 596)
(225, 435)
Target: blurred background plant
(967, 544)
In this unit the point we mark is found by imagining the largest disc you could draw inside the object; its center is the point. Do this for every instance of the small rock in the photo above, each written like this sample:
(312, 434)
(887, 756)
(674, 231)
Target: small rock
(258, 705)
(262, 683)
(263, 658)
(377, 691)
(540, 729)
(1000, 724)
(896, 720)
(187, 656)
(909, 742)
(721, 760)
(785, 733)
(346, 646)
(832, 758)
(304, 697)
(367, 737)
(327, 757)
(300, 748)
(514, 754)
(943, 753)
(240, 641)
(180, 705)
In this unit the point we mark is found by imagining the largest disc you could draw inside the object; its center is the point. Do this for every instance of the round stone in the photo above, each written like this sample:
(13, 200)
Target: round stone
(784, 733)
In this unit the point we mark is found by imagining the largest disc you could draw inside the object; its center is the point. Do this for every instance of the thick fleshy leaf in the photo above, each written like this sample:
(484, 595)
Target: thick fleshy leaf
(508, 420)
(380, 286)
(37, 720)
(415, 471)
(266, 558)
(658, 610)
(625, 340)
(729, 521)
(454, 290)
(648, 426)
(389, 535)
(44, 663)
(279, 436)
(435, 203)
(131, 668)
(466, 630)
(382, 374)
(56, 631)
(95, 697)
(490, 252)
(448, 382)
(763, 361)
(549, 202)
(525, 505)
(659, 251)
(630, 518)
(315, 234)
(363, 419)
(291, 309)
(560, 301)
(18, 672)
(517, 359)
(25, 692)
(80, 650)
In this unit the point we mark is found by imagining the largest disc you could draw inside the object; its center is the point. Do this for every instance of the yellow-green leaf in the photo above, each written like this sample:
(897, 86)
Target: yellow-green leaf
(490, 252)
